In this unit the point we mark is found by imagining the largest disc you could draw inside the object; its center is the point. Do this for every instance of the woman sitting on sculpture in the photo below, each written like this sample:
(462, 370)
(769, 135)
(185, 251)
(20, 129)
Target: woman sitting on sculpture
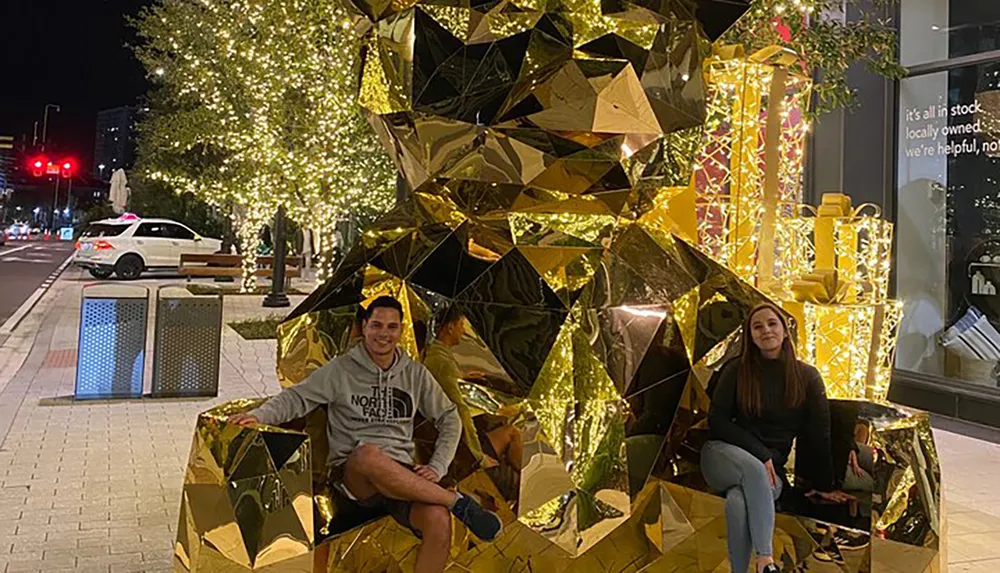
(761, 401)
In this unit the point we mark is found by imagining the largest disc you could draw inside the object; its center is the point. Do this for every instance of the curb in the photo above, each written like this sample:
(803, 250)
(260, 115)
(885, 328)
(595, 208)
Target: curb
(16, 318)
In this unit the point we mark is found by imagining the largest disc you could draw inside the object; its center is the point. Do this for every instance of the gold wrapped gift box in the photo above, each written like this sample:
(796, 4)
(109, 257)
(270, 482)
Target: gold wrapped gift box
(748, 169)
(836, 286)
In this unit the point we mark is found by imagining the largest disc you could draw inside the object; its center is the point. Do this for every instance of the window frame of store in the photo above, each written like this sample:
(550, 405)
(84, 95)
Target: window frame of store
(943, 395)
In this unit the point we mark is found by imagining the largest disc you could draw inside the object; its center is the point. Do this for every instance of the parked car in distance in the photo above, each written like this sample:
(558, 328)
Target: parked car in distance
(128, 246)
(18, 231)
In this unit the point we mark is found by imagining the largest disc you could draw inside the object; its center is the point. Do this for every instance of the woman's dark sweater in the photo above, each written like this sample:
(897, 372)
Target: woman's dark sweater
(769, 435)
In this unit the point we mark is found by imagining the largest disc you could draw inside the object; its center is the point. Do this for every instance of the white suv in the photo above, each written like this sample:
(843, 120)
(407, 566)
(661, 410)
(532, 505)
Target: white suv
(128, 245)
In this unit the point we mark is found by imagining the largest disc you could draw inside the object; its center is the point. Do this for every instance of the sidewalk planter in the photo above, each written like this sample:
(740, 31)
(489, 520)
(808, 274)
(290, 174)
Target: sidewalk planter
(112, 354)
(186, 343)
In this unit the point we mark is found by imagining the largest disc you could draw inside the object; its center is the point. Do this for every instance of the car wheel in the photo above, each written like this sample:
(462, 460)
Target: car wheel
(129, 267)
(100, 273)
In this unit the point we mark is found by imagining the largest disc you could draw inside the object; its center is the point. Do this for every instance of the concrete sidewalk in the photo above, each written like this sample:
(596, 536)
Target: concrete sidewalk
(96, 486)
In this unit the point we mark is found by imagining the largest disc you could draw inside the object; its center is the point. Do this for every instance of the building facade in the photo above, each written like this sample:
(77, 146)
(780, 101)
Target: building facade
(945, 197)
(115, 145)
(6, 160)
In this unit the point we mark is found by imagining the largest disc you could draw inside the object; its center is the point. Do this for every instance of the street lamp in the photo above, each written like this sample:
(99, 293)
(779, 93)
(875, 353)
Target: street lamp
(45, 122)
(277, 297)
(101, 168)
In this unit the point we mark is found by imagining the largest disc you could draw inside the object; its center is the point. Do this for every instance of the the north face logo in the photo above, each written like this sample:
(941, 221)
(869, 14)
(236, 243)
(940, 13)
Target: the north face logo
(384, 403)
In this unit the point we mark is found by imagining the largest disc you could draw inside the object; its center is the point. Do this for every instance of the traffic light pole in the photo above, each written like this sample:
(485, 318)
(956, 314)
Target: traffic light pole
(55, 206)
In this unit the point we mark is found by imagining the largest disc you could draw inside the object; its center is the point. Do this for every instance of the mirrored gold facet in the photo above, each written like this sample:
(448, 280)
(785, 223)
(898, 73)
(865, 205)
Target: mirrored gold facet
(253, 519)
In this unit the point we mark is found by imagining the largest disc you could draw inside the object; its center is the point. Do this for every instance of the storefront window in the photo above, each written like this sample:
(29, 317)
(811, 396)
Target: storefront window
(937, 30)
(948, 223)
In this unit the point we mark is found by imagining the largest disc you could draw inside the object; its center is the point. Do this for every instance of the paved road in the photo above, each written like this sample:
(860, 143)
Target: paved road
(24, 265)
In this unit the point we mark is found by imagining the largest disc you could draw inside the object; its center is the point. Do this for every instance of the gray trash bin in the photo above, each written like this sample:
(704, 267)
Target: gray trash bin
(186, 343)
(112, 350)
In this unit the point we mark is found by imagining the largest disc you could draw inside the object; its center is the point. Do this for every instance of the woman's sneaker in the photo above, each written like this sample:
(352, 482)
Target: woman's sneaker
(770, 568)
(484, 524)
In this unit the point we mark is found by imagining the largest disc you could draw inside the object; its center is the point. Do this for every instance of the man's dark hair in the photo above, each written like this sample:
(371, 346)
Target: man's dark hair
(450, 315)
(383, 302)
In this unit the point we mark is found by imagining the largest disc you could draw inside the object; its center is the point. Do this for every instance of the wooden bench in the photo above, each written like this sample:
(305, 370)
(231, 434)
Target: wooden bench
(223, 265)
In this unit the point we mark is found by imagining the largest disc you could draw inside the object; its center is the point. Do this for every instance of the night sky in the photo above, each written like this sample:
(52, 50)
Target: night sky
(74, 53)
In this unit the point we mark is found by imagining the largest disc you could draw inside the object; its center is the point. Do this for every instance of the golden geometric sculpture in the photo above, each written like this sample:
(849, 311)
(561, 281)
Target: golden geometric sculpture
(563, 348)
(543, 144)
(534, 138)
(674, 525)
(247, 498)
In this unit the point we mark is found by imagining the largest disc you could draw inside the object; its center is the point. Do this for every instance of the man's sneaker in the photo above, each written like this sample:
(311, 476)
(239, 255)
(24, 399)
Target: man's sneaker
(484, 524)
(770, 568)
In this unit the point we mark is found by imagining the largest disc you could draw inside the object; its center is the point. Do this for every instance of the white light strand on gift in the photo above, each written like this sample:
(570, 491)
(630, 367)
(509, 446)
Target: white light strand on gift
(729, 168)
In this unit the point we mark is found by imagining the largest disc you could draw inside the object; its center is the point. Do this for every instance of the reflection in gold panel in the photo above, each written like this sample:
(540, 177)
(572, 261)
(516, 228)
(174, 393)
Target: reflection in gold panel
(310, 341)
(246, 504)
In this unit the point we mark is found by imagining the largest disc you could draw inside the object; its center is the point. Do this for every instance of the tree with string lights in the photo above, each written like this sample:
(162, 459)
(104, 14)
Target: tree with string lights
(827, 41)
(255, 107)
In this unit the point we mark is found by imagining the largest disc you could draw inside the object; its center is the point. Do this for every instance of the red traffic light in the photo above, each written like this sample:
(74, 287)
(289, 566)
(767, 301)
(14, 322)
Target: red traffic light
(67, 168)
(38, 165)
(41, 166)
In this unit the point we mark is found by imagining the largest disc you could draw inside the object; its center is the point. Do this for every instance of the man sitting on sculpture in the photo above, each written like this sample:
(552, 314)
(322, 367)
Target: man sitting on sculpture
(370, 393)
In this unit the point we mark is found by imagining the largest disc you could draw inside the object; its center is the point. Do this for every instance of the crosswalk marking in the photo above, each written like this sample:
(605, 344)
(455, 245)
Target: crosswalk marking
(14, 250)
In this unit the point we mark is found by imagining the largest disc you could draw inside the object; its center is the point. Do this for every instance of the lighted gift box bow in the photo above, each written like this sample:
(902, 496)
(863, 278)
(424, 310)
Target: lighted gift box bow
(835, 283)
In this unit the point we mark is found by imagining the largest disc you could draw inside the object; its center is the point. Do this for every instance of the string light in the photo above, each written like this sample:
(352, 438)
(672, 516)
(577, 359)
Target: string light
(833, 44)
(729, 168)
(257, 105)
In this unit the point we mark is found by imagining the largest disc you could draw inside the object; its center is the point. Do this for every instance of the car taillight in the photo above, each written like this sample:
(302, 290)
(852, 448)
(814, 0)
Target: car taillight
(103, 245)
(77, 247)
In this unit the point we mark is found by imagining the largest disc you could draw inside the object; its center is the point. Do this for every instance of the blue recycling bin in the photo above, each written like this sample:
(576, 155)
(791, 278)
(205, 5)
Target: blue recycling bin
(112, 349)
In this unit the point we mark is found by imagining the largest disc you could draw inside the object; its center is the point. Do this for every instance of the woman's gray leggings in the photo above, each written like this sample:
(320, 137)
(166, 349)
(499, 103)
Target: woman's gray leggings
(750, 500)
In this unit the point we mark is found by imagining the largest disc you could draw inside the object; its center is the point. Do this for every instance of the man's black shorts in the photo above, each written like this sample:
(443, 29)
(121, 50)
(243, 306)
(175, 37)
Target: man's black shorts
(350, 510)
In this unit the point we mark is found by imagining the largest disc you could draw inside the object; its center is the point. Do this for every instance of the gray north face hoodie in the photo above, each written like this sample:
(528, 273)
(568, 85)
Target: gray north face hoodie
(368, 405)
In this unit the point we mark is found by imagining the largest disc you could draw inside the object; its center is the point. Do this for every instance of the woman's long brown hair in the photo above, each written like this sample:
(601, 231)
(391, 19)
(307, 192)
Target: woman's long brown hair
(748, 381)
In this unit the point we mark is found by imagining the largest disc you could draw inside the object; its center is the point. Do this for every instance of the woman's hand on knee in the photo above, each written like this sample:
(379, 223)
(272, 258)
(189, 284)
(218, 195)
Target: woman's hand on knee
(772, 475)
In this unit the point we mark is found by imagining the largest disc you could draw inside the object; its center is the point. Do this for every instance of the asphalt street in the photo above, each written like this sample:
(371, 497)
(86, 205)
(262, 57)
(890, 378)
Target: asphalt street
(24, 266)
